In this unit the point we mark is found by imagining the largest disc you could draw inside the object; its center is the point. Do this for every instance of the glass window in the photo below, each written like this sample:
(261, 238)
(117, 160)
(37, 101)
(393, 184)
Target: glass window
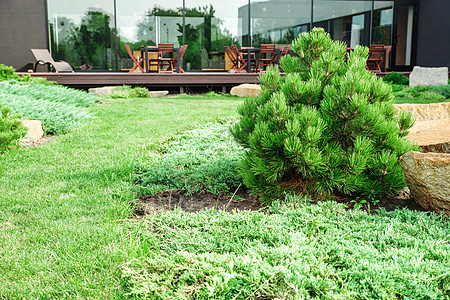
(345, 20)
(382, 22)
(147, 23)
(209, 26)
(278, 21)
(83, 32)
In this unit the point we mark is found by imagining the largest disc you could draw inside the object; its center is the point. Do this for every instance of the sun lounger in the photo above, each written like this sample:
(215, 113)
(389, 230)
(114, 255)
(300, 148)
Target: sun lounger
(43, 58)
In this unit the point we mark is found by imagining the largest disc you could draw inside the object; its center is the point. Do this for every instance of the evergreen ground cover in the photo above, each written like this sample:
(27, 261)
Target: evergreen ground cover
(60, 109)
(67, 229)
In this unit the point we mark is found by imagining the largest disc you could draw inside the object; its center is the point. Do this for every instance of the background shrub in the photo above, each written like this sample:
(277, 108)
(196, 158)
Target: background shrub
(11, 129)
(9, 73)
(396, 78)
(204, 158)
(327, 126)
(127, 91)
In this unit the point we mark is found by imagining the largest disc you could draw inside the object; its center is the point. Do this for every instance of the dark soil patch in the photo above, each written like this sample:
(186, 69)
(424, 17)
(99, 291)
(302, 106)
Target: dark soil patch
(37, 143)
(174, 199)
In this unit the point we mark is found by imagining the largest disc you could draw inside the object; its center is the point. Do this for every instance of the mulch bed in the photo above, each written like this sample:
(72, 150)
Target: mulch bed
(174, 199)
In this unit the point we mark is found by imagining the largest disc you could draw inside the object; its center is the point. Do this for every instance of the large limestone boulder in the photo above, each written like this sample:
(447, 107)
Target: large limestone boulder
(428, 76)
(34, 132)
(432, 136)
(246, 90)
(101, 91)
(428, 178)
(425, 112)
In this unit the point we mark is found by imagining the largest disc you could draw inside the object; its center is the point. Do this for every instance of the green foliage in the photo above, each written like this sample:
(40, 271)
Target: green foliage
(57, 93)
(442, 89)
(328, 126)
(396, 78)
(56, 117)
(8, 73)
(298, 251)
(11, 129)
(433, 93)
(59, 108)
(204, 158)
(127, 91)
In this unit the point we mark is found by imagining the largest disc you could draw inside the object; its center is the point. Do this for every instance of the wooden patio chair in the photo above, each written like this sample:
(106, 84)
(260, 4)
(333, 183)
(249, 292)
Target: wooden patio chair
(285, 50)
(181, 53)
(43, 58)
(267, 56)
(242, 62)
(233, 59)
(375, 60)
(138, 62)
(165, 58)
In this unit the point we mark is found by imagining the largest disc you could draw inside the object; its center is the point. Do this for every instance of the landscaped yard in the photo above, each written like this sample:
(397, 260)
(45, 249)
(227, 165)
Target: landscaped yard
(65, 206)
(67, 228)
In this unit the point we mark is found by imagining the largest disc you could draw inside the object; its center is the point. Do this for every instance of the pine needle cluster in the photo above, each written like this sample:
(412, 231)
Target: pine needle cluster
(327, 126)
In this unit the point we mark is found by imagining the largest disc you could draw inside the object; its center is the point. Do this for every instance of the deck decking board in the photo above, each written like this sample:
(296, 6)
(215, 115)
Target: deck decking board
(84, 79)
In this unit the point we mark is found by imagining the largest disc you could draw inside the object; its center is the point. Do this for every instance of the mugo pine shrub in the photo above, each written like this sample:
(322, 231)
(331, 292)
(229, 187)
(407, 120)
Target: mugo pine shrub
(327, 126)
(11, 129)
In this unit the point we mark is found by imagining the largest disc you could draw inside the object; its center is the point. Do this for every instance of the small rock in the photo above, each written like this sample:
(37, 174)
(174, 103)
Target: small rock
(246, 90)
(34, 132)
(428, 178)
(154, 94)
(428, 76)
(106, 90)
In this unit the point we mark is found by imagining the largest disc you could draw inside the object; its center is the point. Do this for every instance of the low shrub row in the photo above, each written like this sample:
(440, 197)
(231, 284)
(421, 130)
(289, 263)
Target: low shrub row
(204, 158)
(56, 93)
(60, 109)
(56, 117)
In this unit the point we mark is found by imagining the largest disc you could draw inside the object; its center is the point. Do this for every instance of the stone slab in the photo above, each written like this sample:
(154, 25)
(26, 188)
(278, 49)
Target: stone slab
(428, 76)
(154, 94)
(428, 178)
(426, 112)
(34, 132)
(246, 90)
(432, 136)
(106, 90)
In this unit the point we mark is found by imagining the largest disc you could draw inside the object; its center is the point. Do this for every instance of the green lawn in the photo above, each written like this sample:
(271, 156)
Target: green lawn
(66, 231)
(61, 205)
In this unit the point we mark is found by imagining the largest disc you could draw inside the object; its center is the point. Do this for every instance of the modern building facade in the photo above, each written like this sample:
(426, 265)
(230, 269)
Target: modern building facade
(94, 31)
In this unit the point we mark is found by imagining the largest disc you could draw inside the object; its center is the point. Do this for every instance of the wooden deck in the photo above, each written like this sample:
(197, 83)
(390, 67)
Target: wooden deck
(176, 82)
(150, 80)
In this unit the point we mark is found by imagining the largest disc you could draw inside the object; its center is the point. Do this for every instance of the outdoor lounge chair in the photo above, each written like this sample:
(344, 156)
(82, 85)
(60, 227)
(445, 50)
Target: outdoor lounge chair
(43, 58)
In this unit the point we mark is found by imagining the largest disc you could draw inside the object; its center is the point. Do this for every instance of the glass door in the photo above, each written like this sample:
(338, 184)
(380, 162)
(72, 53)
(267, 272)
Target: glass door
(404, 36)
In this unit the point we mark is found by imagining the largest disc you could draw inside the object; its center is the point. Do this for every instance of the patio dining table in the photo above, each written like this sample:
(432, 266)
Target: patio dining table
(154, 49)
(252, 50)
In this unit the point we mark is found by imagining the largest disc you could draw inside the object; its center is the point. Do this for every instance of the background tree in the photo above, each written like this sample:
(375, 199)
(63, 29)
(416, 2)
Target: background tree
(327, 126)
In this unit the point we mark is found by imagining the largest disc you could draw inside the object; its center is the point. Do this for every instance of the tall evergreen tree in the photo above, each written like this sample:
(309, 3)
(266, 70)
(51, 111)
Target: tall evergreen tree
(327, 126)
